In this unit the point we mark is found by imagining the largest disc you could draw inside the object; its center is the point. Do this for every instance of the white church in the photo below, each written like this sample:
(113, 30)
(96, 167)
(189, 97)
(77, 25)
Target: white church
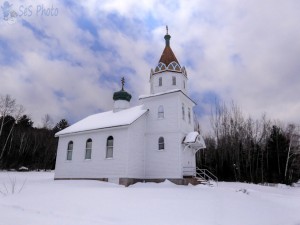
(153, 141)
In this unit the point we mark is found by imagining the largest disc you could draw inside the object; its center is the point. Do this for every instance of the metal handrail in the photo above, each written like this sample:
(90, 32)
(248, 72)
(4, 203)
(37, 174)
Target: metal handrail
(201, 173)
(208, 174)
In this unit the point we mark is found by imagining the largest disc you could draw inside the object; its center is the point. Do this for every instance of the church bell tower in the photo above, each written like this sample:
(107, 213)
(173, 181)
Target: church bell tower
(168, 74)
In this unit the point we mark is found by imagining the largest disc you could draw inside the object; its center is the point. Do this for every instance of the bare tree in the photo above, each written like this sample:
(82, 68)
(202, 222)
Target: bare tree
(8, 107)
(47, 122)
(293, 133)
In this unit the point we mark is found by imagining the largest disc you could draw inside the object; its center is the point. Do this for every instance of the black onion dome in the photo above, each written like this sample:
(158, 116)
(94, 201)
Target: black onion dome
(122, 95)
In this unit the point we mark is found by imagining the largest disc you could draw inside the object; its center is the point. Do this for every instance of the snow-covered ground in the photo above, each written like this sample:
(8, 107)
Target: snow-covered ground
(45, 201)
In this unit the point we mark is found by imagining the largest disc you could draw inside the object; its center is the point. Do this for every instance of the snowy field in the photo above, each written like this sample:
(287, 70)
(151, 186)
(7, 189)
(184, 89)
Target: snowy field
(43, 201)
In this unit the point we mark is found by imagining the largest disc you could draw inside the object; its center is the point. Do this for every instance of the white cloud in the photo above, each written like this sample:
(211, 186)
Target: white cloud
(242, 51)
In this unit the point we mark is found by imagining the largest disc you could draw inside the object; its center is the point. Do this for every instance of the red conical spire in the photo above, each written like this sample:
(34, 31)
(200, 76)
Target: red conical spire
(168, 56)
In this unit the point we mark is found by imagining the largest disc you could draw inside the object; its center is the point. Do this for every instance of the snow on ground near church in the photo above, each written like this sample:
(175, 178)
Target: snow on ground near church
(45, 201)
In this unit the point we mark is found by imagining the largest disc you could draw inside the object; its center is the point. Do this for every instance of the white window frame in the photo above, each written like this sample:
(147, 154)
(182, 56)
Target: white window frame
(70, 150)
(88, 149)
(160, 112)
(109, 147)
(174, 80)
(161, 143)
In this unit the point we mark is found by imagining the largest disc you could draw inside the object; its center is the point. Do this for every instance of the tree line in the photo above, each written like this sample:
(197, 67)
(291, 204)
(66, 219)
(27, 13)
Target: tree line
(250, 150)
(238, 149)
(22, 144)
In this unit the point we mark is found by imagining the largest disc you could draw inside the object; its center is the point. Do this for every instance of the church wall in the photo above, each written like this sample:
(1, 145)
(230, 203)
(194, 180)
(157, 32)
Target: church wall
(170, 121)
(167, 163)
(163, 163)
(136, 150)
(98, 166)
(187, 156)
(184, 124)
(167, 84)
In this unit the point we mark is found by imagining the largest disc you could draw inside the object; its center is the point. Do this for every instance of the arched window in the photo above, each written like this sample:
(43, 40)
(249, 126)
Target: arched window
(173, 80)
(160, 112)
(109, 147)
(70, 150)
(183, 112)
(189, 115)
(161, 143)
(170, 67)
(160, 81)
(88, 149)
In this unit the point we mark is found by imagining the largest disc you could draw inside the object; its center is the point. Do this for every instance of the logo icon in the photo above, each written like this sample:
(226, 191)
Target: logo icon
(9, 14)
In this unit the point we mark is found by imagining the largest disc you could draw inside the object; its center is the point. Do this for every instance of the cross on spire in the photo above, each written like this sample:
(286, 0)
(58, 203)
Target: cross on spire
(122, 82)
(167, 28)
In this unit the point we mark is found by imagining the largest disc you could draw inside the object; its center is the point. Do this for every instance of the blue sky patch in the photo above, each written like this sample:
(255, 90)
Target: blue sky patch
(8, 55)
(38, 33)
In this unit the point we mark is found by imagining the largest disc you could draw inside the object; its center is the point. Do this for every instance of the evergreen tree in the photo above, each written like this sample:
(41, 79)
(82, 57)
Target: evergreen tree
(61, 125)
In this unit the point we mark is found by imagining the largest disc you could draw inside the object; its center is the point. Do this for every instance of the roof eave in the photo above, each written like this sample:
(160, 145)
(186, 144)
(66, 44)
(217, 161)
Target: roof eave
(95, 129)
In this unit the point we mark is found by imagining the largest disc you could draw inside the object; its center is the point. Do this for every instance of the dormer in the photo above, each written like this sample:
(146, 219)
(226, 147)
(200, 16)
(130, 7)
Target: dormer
(168, 74)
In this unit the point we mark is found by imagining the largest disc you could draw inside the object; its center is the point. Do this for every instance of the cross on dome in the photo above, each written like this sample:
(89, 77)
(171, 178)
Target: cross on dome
(122, 82)
(122, 94)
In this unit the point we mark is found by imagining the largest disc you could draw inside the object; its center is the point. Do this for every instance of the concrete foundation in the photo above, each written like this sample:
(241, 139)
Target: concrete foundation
(129, 181)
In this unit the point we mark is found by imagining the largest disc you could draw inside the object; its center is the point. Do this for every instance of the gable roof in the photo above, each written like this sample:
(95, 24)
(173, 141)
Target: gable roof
(105, 120)
(165, 93)
(194, 140)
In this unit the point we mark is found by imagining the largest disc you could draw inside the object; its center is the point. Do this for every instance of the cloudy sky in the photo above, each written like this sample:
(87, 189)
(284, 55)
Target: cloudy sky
(66, 58)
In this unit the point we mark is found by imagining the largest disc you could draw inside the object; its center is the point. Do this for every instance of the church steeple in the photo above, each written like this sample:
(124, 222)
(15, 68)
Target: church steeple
(168, 56)
(168, 74)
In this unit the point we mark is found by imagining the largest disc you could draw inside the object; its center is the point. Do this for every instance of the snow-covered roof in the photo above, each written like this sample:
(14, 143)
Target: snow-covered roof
(160, 93)
(191, 137)
(194, 140)
(105, 120)
(163, 93)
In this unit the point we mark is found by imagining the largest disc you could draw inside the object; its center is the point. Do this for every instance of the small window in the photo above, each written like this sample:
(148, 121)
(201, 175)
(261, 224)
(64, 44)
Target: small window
(161, 143)
(109, 147)
(170, 67)
(189, 114)
(183, 84)
(160, 112)
(70, 150)
(173, 80)
(88, 149)
(160, 81)
(183, 112)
